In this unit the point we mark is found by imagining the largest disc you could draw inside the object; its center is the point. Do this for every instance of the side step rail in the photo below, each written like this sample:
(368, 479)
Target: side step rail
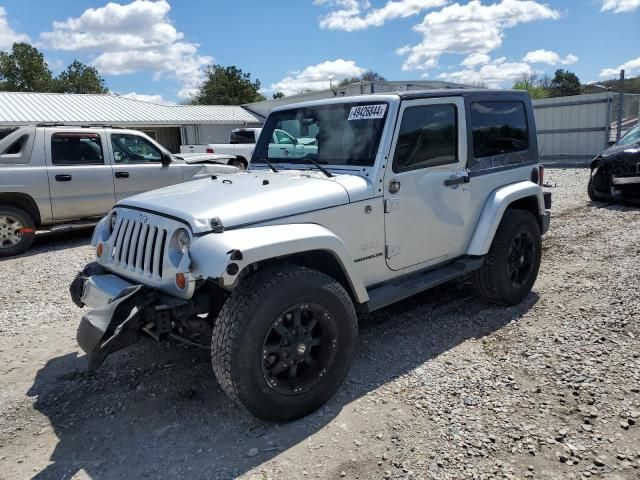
(385, 295)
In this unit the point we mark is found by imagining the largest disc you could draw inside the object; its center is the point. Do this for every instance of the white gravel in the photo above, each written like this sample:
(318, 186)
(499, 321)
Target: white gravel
(443, 386)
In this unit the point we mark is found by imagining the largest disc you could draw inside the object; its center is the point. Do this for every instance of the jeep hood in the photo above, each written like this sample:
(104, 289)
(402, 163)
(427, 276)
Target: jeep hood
(248, 198)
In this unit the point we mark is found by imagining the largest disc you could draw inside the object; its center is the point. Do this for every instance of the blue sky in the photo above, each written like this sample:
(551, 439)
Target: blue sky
(158, 48)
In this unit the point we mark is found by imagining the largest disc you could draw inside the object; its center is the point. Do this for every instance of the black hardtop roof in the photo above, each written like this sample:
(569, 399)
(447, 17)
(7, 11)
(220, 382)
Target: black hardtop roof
(459, 92)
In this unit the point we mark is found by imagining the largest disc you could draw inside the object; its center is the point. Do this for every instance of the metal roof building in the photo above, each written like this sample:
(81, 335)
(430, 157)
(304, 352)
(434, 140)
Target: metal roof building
(171, 125)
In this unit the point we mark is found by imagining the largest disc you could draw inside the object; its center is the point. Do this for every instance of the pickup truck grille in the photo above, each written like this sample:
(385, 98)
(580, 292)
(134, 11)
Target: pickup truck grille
(138, 247)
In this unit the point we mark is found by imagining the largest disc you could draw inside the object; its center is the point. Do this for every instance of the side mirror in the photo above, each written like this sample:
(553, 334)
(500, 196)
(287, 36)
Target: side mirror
(166, 158)
(611, 143)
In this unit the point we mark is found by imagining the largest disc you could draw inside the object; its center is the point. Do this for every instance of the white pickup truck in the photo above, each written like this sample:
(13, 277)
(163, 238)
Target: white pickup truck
(243, 141)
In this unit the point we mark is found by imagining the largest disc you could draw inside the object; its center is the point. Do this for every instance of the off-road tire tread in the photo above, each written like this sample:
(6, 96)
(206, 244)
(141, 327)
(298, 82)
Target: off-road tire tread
(485, 278)
(232, 318)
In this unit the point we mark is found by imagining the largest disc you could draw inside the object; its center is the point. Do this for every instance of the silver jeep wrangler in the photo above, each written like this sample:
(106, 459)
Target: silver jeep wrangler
(391, 195)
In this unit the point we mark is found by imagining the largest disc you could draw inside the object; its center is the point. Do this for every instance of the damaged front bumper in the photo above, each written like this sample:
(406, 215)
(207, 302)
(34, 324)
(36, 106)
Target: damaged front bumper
(120, 312)
(626, 188)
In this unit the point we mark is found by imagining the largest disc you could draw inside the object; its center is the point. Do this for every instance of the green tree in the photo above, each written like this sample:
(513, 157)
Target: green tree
(227, 86)
(278, 95)
(533, 85)
(24, 70)
(565, 83)
(80, 78)
(368, 76)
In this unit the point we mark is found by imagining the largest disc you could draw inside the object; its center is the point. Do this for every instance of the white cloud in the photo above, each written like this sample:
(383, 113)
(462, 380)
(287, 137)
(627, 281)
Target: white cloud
(469, 28)
(630, 68)
(620, 6)
(147, 98)
(549, 57)
(8, 36)
(132, 37)
(475, 59)
(358, 15)
(316, 77)
(495, 73)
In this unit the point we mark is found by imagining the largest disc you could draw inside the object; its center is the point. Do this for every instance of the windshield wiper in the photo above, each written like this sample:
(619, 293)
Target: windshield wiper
(268, 163)
(320, 167)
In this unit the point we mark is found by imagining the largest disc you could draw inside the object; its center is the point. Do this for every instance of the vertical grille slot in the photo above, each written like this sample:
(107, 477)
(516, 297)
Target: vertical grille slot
(121, 240)
(124, 251)
(164, 241)
(116, 235)
(157, 253)
(133, 244)
(141, 247)
(152, 250)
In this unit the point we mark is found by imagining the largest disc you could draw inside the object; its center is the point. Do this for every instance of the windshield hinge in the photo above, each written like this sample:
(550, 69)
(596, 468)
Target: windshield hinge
(392, 250)
(391, 204)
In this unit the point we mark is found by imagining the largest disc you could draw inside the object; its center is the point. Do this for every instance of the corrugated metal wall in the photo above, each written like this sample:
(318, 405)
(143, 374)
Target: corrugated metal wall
(573, 128)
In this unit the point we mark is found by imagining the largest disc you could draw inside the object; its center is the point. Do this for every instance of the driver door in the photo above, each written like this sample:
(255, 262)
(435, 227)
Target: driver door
(138, 166)
(427, 199)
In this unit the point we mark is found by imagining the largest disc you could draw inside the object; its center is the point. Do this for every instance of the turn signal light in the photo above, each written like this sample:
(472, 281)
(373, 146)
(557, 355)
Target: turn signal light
(181, 281)
(99, 250)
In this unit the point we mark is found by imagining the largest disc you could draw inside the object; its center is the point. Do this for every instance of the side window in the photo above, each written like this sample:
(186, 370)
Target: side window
(428, 137)
(16, 147)
(500, 134)
(76, 149)
(283, 138)
(133, 149)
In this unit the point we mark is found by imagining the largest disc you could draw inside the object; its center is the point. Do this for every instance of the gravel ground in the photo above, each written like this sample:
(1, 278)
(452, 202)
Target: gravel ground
(444, 385)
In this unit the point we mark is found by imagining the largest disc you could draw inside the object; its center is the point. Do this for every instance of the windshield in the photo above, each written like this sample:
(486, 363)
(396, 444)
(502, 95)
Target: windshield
(632, 136)
(336, 134)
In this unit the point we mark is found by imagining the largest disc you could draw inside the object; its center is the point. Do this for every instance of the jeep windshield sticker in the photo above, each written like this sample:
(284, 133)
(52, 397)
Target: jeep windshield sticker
(366, 112)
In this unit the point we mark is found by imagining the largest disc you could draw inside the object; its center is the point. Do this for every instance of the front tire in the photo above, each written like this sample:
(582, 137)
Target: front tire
(17, 231)
(598, 182)
(511, 267)
(284, 341)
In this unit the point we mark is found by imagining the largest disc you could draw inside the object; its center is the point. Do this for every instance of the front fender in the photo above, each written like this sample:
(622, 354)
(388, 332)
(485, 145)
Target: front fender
(212, 254)
(494, 209)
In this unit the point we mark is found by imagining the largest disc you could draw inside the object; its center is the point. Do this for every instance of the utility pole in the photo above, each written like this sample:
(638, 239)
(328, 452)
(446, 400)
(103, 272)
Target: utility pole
(620, 106)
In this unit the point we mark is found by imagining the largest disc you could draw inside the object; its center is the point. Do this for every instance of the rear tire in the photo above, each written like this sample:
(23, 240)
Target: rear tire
(511, 267)
(17, 231)
(284, 341)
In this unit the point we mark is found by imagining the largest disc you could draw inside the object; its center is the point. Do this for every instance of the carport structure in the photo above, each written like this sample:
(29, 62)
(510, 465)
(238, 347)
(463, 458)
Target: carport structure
(170, 125)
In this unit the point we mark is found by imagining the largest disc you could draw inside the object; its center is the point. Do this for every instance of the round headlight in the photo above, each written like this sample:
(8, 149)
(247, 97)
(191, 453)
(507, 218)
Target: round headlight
(183, 239)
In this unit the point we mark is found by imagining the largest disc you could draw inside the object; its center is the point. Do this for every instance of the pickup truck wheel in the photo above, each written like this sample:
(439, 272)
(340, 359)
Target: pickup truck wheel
(238, 164)
(284, 341)
(17, 231)
(512, 264)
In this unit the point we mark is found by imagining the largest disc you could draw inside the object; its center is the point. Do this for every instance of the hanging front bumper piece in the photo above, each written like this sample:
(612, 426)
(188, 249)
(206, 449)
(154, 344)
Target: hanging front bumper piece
(120, 312)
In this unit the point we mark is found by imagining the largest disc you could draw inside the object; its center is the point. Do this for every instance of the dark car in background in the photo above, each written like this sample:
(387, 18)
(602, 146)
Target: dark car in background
(615, 173)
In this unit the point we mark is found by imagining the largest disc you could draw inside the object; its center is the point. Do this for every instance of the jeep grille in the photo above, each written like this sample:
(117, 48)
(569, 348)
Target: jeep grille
(139, 247)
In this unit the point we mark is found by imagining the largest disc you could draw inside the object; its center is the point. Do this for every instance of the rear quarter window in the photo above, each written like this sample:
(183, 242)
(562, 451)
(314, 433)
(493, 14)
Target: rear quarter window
(16, 149)
(500, 134)
(246, 136)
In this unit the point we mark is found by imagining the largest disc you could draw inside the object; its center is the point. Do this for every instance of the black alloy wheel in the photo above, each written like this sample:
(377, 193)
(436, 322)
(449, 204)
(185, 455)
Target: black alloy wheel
(521, 258)
(299, 349)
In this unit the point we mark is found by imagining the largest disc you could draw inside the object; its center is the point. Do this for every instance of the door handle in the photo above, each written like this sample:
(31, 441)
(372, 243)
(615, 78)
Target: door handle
(456, 180)
(122, 174)
(63, 178)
